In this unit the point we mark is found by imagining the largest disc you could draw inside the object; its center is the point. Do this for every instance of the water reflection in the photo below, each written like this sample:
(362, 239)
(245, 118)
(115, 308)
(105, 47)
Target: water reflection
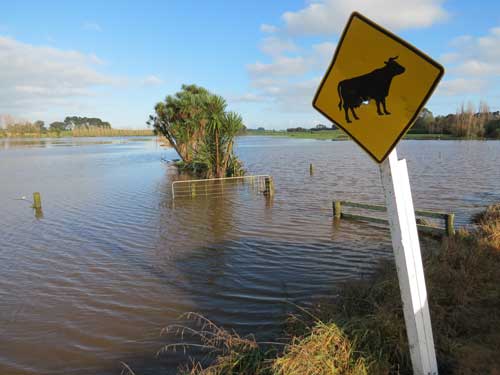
(38, 213)
(16, 143)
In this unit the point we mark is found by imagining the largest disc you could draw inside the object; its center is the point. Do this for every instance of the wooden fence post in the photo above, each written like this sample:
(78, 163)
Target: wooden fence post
(450, 227)
(269, 187)
(337, 209)
(37, 201)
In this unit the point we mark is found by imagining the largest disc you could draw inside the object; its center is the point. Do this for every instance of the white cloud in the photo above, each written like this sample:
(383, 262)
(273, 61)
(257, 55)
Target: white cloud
(473, 64)
(265, 28)
(274, 46)
(460, 40)
(91, 26)
(286, 80)
(475, 67)
(291, 75)
(449, 57)
(296, 96)
(281, 66)
(36, 78)
(324, 53)
(484, 48)
(461, 86)
(47, 92)
(248, 98)
(152, 80)
(283, 95)
(288, 74)
(329, 16)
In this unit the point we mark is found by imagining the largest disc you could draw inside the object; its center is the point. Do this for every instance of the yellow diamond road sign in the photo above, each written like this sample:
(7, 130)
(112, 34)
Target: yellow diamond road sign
(375, 86)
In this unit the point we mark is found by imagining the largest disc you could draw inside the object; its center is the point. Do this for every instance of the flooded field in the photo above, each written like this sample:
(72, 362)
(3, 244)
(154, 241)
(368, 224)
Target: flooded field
(113, 260)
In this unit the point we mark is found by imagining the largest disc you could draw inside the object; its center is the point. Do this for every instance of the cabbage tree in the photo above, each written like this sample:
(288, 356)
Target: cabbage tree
(197, 125)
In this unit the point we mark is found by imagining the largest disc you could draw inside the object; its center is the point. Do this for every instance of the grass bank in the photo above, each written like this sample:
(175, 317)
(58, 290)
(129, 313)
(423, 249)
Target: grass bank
(362, 330)
(324, 134)
(90, 132)
(338, 135)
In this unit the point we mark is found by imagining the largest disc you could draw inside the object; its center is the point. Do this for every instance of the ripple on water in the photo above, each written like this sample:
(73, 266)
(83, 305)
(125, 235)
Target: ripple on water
(114, 260)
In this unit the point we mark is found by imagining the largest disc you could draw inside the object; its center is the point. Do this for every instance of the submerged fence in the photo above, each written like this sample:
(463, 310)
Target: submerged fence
(214, 187)
(447, 218)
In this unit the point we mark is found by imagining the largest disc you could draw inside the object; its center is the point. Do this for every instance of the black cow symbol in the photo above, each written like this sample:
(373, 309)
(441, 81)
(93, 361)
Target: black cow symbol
(374, 85)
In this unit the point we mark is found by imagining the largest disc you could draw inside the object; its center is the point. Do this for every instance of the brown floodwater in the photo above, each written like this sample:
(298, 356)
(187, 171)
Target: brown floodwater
(90, 282)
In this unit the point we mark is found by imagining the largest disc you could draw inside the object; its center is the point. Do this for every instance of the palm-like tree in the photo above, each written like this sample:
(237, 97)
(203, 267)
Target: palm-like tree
(196, 124)
(180, 118)
(232, 124)
(216, 106)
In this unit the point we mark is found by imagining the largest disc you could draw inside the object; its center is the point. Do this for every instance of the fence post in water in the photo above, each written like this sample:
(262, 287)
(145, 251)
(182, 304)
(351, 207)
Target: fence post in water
(311, 169)
(37, 201)
(337, 209)
(269, 188)
(450, 227)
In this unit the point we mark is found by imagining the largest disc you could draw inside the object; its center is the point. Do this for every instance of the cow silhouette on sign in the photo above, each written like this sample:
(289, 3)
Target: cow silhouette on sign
(374, 85)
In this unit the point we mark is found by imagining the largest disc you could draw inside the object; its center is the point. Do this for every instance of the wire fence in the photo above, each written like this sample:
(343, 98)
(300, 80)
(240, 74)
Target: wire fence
(214, 187)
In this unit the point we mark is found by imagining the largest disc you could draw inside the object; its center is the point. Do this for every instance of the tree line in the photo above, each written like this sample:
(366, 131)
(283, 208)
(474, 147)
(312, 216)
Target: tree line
(76, 122)
(317, 128)
(467, 122)
(69, 123)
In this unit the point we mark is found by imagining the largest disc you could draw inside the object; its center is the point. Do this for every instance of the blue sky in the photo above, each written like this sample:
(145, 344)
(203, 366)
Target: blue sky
(116, 59)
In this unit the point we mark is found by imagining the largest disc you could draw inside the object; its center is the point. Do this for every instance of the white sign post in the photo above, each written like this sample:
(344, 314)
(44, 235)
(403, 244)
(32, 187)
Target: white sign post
(396, 184)
(356, 75)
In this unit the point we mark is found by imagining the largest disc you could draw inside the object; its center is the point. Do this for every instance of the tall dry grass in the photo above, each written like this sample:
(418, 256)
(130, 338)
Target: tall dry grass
(231, 353)
(103, 132)
(489, 226)
(325, 349)
(88, 132)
